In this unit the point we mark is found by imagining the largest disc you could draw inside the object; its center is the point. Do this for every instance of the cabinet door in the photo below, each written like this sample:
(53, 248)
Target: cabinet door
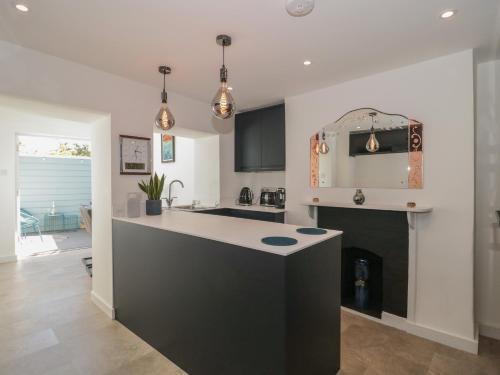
(273, 138)
(247, 141)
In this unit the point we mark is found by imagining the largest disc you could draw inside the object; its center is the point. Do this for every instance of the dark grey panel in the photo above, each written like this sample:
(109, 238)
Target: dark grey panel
(385, 233)
(215, 308)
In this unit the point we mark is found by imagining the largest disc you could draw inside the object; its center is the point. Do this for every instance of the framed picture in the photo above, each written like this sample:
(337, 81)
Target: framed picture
(167, 148)
(135, 155)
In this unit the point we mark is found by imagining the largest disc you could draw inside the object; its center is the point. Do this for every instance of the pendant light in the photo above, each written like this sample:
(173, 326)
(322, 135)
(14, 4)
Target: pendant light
(164, 119)
(324, 147)
(372, 145)
(316, 145)
(223, 106)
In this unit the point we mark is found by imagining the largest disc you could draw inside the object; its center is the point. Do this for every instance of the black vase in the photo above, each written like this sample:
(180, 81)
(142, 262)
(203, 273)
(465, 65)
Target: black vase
(359, 197)
(153, 207)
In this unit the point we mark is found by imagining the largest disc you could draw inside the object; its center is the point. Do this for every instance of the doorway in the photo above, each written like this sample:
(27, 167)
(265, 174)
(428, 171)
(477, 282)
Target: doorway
(54, 194)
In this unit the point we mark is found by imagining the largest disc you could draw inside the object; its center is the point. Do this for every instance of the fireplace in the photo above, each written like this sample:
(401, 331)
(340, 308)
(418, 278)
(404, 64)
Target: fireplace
(382, 238)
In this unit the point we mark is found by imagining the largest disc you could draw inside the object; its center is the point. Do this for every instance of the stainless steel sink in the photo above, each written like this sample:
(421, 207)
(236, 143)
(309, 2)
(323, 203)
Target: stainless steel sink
(190, 207)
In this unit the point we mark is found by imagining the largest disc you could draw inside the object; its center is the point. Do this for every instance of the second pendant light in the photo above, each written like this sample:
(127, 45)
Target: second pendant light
(372, 145)
(223, 106)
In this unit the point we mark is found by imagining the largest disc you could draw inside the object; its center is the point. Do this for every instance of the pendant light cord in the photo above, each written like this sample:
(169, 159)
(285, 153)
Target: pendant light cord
(223, 54)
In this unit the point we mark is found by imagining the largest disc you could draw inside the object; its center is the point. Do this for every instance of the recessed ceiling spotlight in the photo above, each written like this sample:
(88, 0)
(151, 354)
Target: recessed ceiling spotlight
(307, 62)
(448, 14)
(22, 8)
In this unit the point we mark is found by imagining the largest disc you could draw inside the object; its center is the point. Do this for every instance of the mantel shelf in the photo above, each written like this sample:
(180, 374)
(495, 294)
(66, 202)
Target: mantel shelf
(374, 206)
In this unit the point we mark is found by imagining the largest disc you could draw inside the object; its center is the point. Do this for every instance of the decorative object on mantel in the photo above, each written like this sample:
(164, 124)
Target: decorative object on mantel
(223, 106)
(135, 155)
(411, 205)
(315, 200)
(153, 189)
(167, 148)
(164, 119)
(359, 197)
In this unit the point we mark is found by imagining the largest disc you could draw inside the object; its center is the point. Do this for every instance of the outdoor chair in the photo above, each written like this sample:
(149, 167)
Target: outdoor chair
(29, 222)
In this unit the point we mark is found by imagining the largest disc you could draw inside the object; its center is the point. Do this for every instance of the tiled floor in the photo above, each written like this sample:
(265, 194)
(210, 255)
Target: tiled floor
(48, 325)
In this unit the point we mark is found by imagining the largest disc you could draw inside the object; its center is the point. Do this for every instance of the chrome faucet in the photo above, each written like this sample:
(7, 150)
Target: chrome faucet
(170, 199)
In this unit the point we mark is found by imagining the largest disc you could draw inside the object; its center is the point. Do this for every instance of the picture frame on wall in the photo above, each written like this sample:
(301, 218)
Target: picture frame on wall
(135, 155)
(167, 148)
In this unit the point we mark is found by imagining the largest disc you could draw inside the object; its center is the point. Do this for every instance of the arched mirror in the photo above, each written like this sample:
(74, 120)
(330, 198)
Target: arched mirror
(367, 148)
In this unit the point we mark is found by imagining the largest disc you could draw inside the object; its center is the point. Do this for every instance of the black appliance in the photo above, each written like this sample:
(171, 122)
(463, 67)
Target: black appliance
(246, 197)
(268, 197)
(280, 198)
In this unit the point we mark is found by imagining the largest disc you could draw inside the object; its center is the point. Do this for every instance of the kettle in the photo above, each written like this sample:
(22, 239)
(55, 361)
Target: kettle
(246, 197)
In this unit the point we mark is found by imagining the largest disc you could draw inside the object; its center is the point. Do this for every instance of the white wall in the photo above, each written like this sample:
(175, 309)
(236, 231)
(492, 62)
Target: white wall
(232, 182)
(207, 170)
(182, 169)
(438, 93)
(130, 106)
(196, 165)
(488, 198)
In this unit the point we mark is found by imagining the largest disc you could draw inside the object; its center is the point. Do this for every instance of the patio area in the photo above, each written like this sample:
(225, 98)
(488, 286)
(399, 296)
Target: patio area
(53, 243)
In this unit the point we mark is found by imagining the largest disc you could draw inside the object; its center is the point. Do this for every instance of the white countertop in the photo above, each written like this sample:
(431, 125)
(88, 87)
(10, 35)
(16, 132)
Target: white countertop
(241, 232)
(371, 206)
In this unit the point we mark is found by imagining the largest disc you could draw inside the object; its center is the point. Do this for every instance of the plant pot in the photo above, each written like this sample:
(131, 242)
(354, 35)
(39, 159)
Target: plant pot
(153, 207)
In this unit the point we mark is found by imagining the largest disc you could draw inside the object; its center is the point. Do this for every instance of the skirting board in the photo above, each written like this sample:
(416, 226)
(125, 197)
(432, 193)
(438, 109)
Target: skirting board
(8, 259)
(103, 305)
(457, 342)
(489, 330)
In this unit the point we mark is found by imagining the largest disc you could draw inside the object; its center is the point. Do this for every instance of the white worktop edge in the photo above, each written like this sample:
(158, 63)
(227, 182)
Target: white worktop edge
(371, 206)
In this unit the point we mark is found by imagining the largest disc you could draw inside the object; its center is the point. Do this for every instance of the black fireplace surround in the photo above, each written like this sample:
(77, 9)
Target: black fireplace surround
(373, 234)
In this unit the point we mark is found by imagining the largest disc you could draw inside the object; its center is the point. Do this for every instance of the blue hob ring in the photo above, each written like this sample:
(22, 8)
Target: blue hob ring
(313, 231)
(279, 241)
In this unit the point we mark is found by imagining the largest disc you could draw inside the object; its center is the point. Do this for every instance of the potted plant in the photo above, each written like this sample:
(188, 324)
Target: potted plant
(153, 189)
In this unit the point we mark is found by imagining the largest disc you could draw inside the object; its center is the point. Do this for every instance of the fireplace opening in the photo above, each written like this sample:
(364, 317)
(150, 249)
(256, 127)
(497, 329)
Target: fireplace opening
(362, 283)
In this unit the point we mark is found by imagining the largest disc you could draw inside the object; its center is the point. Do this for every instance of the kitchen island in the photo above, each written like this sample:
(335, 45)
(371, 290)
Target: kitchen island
(209, 295)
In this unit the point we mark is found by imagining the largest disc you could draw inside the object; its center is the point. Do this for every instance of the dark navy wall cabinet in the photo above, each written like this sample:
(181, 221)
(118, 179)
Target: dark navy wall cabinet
(259, 140)
(219, 309)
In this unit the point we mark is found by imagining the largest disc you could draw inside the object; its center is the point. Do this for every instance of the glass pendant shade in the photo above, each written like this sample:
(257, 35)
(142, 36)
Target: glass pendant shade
(372, 145)
(223, 105)
(164, 119)
(324, 148)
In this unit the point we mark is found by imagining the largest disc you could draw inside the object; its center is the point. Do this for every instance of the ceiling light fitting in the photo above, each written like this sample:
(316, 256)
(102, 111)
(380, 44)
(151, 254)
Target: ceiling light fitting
(22, 8)
(448, 14)
(164, 119)
(299, 8)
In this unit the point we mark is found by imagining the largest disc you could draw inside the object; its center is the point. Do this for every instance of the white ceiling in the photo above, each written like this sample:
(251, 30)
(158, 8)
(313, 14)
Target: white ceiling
(344, 39)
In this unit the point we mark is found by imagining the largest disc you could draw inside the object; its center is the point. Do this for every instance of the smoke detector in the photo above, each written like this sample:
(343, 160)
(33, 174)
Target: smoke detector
(299, 8)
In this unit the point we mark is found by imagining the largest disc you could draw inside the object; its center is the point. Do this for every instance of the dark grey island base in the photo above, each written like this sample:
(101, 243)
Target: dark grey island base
(215, 308)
